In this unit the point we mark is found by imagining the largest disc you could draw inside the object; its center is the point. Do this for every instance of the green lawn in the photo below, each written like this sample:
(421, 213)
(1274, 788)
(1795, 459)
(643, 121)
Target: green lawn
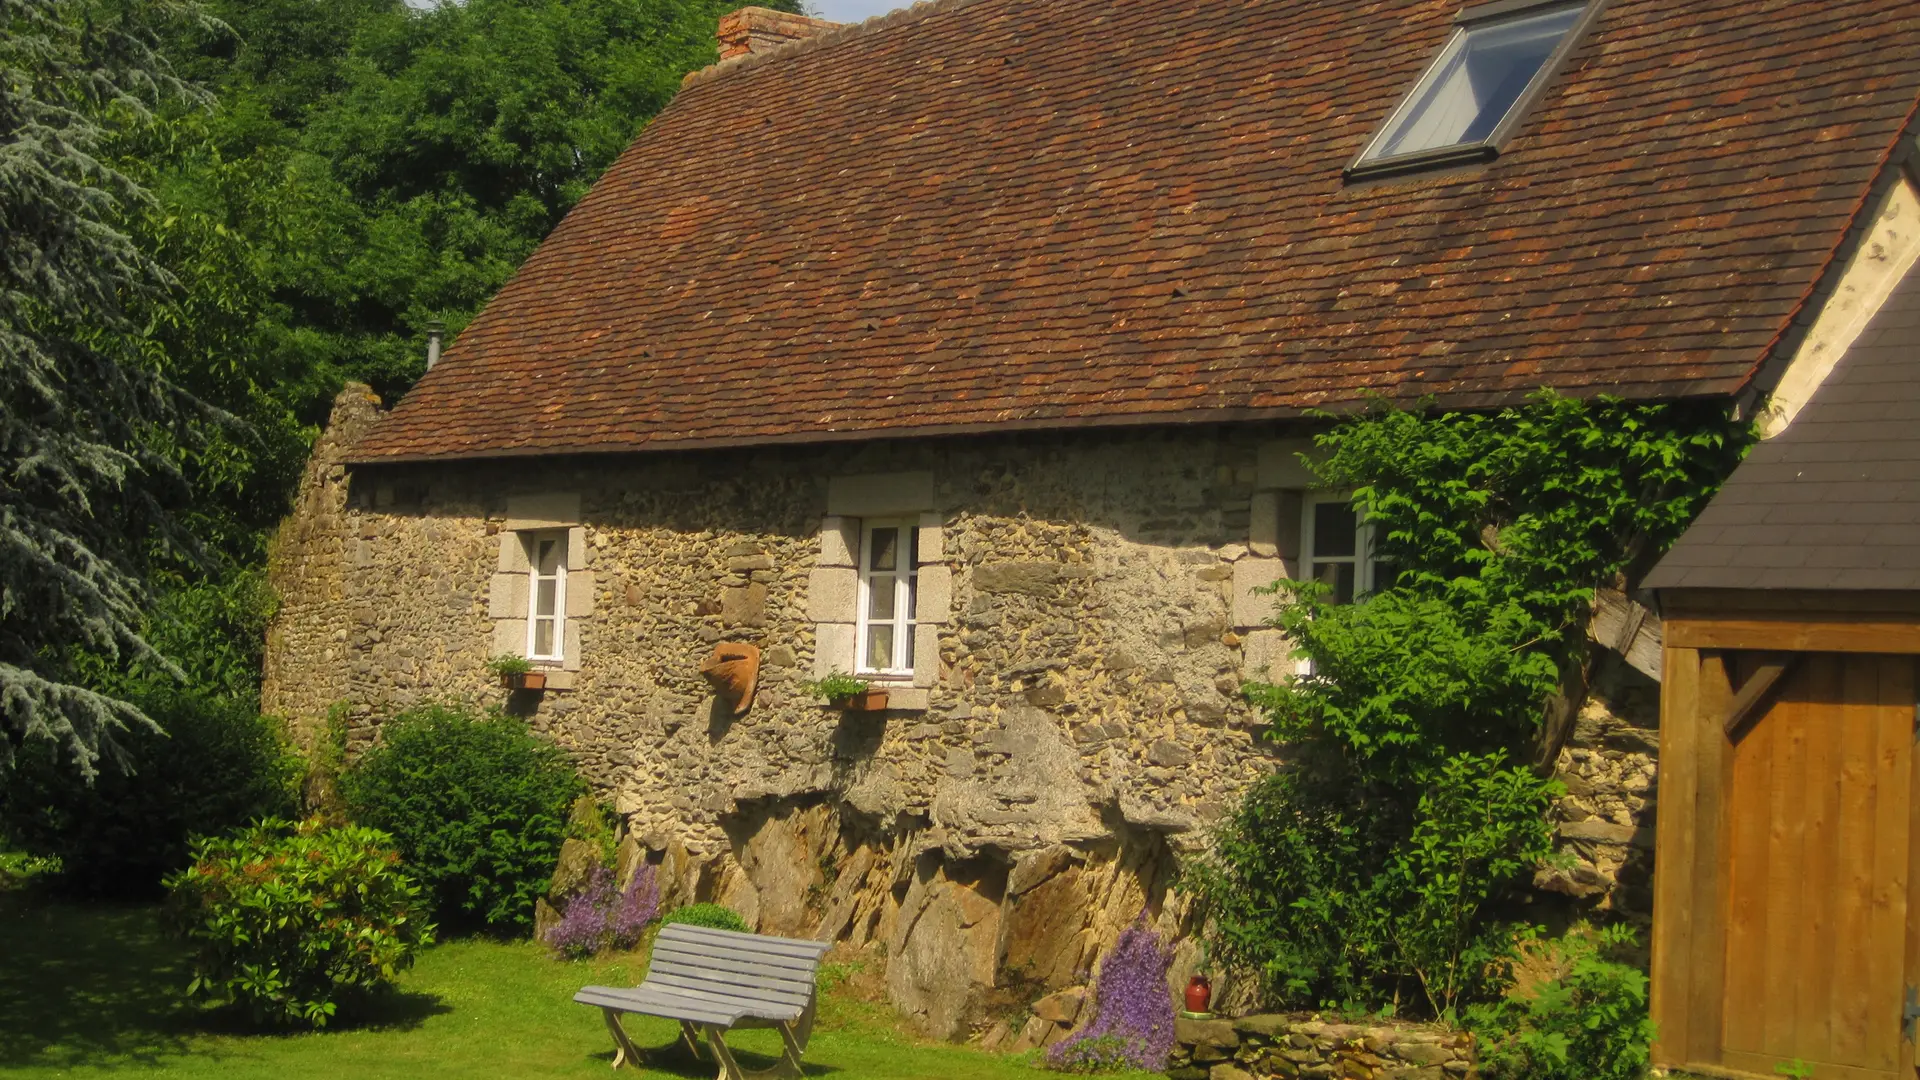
(95, 991)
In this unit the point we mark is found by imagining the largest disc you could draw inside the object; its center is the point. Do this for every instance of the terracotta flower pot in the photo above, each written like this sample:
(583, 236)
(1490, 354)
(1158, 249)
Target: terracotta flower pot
(1199, 994)
(525, 680)
(864, 701)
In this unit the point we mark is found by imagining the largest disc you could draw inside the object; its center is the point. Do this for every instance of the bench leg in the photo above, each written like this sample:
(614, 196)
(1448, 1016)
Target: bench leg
(793, 1048)
(803, 1027)
(795, 1036)
(793, 1044)
(729, 1068)
(691, 1035)
(623, 1051)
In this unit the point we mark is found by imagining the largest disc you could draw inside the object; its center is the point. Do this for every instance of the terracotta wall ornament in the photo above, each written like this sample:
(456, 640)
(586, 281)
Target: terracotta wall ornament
(733, 670)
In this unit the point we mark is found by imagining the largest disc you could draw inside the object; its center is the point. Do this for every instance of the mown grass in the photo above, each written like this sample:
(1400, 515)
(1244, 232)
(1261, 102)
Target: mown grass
(95, 991)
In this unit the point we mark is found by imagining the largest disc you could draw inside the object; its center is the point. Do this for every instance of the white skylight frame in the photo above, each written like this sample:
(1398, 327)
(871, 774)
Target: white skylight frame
(1372, 162)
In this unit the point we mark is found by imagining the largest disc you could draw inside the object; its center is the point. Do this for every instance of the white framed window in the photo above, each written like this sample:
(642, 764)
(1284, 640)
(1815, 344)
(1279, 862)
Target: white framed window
(1337, 549)
(546, 594)
(888, 594)
(1477, 89)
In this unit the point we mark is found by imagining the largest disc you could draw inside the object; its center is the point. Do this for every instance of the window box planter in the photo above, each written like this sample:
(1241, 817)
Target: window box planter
(525, 680)
(864, 701)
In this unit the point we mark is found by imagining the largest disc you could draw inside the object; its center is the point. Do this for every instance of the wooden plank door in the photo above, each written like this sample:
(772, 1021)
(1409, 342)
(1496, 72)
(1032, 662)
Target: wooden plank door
(1819, 841)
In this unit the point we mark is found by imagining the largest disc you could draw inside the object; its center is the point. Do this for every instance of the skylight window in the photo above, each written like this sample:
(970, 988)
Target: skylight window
(1477, 89)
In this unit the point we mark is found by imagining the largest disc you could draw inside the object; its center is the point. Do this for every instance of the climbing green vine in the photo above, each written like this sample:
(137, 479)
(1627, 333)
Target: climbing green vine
(1379, 867)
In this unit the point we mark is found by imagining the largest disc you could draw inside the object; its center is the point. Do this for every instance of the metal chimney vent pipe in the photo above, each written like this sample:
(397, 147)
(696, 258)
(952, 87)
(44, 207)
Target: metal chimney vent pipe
(434, 330)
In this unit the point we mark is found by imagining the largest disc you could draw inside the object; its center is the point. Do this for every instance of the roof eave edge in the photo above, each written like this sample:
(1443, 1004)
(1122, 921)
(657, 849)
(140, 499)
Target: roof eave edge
(1698, 391)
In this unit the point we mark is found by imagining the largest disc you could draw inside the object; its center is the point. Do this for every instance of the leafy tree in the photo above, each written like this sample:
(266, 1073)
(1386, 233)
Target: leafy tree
(415, 158)
(89, 475)
(1377, 867)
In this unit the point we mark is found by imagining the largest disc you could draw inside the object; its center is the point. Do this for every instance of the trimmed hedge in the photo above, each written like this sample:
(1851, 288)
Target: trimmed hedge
(478, 806)
(712, 916)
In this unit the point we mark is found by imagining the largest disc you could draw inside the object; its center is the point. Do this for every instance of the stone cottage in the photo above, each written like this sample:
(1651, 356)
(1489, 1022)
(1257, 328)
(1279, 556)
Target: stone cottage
(973, 349)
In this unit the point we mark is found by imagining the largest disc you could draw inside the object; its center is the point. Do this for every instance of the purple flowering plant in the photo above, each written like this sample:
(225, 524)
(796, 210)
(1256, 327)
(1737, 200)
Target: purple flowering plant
(599, 917)
(1132, 1024)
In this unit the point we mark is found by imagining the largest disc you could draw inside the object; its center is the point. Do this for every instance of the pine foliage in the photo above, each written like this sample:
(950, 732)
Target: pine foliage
(87, 482)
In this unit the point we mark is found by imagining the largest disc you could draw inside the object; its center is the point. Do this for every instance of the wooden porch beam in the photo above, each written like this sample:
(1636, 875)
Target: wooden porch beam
(1626, 627)
(1756, 692)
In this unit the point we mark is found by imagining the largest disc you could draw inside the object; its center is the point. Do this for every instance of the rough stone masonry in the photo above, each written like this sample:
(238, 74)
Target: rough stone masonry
(1078, 730)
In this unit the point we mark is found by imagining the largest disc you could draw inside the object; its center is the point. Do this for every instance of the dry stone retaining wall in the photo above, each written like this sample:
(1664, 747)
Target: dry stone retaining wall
(1082, 730)
(1283, 1047)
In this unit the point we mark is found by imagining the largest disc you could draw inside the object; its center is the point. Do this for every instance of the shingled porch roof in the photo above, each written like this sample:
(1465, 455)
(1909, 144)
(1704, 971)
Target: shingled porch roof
(996, 214)
(1833, 502)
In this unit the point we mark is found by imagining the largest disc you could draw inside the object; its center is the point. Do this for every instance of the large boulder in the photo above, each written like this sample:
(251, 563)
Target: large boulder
(577, 860)
(941, 957)
(782, 857)
(1045, 929)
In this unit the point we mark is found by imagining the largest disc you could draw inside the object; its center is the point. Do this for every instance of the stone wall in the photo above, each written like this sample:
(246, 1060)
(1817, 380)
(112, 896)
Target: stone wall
(1605, 821)
(1082, 730)
(1283, 1047)
(1084, 726)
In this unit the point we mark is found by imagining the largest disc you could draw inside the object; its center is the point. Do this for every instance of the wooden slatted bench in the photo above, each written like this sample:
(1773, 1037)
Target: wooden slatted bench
(715, 981)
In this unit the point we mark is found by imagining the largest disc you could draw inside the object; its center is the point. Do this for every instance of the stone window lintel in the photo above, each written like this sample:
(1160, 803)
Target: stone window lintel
(546, 510)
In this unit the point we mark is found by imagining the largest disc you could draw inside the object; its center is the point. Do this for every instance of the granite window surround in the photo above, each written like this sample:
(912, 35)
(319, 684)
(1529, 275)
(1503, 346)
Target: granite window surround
(1276, 518)
(510, 592)
(834, 589)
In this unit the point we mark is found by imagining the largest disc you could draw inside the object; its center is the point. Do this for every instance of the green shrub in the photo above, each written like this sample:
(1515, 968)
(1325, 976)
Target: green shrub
(836, 686)
(19, 869)
(1590, 1023)
(478, 806)
(219, 766)
(712, 916)
(1347, 894)
(292, 922)
(1380, 869)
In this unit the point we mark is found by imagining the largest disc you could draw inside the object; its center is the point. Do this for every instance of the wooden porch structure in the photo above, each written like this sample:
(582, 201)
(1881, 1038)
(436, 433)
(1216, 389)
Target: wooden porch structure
(1787, 846)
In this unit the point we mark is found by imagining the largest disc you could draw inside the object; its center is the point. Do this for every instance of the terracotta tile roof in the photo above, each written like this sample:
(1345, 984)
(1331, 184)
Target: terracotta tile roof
(1833, 502)
(991, 213)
